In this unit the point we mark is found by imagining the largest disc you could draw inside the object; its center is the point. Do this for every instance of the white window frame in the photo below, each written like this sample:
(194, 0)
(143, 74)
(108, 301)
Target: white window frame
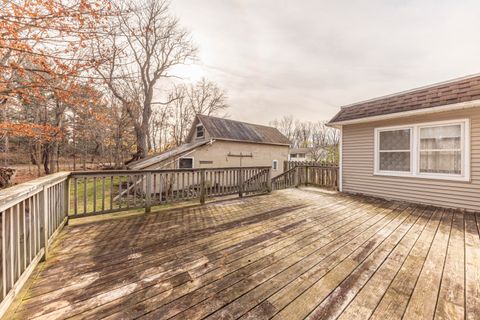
(377, 151)
(193, 162)
(415, 151)
(275, 168)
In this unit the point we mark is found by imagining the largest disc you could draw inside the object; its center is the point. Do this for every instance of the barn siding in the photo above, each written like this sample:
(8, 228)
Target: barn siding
(262, 155)
(358, 166)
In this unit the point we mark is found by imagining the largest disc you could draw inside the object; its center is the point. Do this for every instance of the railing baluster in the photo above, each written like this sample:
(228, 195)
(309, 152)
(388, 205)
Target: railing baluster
(127, 179)
(135, 181)
(4, 255)
(75, 196)
(94, 194)
(103, 193)
(84, 195)
(111, 192)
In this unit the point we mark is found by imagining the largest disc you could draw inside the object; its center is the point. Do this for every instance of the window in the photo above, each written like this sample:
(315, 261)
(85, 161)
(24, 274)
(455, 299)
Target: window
(185, 163)
(437, 150)
(200, 131)
(394, 150)
(274, 164)
(441, 149)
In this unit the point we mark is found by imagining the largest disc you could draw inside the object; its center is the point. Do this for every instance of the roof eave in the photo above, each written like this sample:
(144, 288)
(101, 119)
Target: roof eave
(443, 108)
(256, 142)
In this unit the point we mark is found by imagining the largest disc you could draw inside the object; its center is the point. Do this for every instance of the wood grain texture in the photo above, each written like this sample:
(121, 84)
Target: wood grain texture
(291, 254)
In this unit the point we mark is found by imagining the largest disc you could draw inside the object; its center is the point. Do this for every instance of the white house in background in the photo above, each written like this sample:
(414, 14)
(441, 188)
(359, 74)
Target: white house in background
(421, 145)
(299, 154)
(223, 143)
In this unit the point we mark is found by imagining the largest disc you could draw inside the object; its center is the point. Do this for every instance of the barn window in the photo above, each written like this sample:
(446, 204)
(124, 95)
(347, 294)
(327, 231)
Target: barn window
(200, 131)
(275, 164)
(185, 163)
(436, 150)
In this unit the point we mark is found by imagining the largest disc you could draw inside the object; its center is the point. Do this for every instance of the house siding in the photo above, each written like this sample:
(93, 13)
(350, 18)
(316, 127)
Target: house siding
(217, 153)
(358, 166)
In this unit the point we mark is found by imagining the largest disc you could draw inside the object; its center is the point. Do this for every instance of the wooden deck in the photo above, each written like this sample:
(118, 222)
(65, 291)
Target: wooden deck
(293, 254)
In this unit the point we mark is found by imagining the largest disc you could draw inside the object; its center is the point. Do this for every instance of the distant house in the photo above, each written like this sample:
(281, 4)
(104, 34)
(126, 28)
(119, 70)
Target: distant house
(421, 145)
(307, 154)
(223, 143)
(300, 154)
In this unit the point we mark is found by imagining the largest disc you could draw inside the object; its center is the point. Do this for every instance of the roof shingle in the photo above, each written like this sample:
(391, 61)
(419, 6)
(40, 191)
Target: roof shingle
(451, 92)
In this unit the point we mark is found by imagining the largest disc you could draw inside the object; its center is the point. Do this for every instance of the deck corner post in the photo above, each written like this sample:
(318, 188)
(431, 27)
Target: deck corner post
(44, 221)
(240, 183)
(202, 187)
(148, 192)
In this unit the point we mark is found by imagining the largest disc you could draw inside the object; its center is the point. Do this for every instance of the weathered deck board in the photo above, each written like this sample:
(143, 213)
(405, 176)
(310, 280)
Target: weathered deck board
(292, 254)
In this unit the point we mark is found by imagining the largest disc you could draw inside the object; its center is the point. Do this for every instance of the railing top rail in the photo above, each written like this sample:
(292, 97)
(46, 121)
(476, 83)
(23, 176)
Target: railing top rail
(130, 172)
(284, 174)
(19, 192)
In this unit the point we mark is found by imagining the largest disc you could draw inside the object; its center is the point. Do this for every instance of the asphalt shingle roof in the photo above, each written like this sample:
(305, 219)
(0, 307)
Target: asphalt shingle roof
(451, 92)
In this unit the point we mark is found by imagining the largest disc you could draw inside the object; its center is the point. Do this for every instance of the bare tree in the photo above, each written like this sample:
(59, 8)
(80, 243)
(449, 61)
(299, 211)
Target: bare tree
(145, 43)
(203, 97)
(286, 126)
(321, 140)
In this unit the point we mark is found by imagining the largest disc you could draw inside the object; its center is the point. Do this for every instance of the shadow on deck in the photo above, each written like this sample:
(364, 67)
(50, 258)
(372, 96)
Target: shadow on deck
(290, 254)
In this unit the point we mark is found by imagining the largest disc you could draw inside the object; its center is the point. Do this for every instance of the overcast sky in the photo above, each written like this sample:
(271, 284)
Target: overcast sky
(309, 57)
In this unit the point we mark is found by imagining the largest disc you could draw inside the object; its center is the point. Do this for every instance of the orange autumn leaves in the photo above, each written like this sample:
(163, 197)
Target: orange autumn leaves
(38, 132)
(43, 55)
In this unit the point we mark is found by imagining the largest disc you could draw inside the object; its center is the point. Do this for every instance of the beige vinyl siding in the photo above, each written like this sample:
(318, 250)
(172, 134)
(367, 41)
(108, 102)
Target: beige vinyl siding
(358, 166)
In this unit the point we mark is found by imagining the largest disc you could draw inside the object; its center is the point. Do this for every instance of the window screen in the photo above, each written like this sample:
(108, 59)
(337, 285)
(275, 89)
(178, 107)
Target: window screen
(394, 150)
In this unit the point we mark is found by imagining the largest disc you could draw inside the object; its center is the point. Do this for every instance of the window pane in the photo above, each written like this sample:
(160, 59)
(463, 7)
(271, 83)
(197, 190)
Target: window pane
(445, 137)
(395, 140)
(395, 161)
(446, 162)
(185, 163)
(200, 132)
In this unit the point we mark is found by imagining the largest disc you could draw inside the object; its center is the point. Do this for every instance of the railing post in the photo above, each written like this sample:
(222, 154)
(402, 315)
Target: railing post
(202, 187)
(148, 193)
(44, 219)
(240, 183)
(297, 177)
(67, 197)
(269, 180)
(307, 175)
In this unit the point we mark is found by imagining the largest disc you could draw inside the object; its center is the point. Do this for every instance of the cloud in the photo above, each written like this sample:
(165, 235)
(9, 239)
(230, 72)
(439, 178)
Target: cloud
(307, 58)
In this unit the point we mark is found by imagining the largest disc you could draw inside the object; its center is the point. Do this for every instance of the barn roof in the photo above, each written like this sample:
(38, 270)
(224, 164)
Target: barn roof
(149, 161)
(455, 91)
(225, 129)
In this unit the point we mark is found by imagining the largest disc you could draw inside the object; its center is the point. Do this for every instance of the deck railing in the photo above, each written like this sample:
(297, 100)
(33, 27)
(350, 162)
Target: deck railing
(31, 216)
(100, 192)
(33, 213)
(290, 164)
(319, 176)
